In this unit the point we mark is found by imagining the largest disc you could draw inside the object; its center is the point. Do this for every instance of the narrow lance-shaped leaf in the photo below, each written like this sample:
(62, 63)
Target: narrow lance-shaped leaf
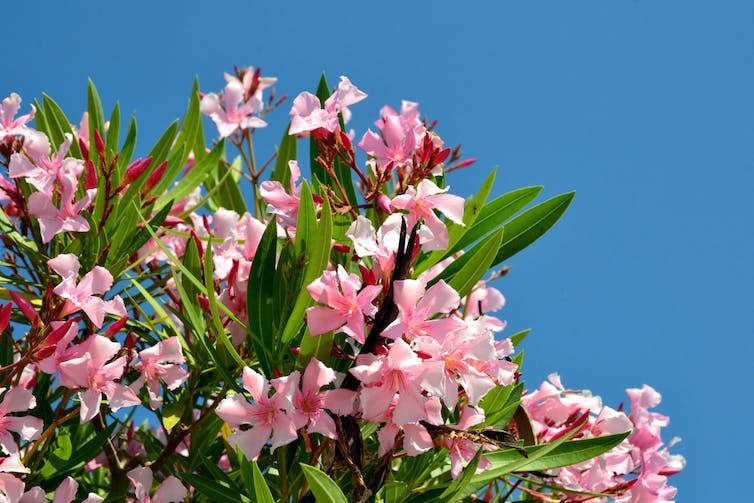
(323, 487)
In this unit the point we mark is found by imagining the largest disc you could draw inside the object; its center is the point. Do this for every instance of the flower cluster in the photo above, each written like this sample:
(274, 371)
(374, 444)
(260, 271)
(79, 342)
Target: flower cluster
(345, 323)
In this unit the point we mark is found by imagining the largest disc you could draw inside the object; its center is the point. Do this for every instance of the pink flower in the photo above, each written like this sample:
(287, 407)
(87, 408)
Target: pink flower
(170, 491)
(160, 362)
(281, 203)
(307, 114)
(233, 110)
(346, 305)
(400, 371)
(269, 417)
(41, 168)
(451, 363)
(92, 373)
(84, 295)
(420, 202)
(461, 451)
(399, 135)
(311, 404)
(648, 424)
(18, 399)
(53, 220)
(417, 309)
(9, 125)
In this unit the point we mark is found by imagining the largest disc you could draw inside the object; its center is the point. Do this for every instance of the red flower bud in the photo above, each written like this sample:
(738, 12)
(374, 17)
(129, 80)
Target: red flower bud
(116, 327)
(5, 312)
(155, 176)
(341, 247)
(84, 148)
(90, 182)
(204, 302)
(99, 144)
(25, 306)
(134, 171)
(367, 275)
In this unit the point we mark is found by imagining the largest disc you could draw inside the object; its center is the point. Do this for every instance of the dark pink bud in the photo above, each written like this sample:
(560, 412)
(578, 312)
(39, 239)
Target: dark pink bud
(5, 312)
(204, 303)
(465, 163)
(155, 176)
(84, 148)
(341, 247)
(276, 373)
(367, 275)
(25, 306)
(383, 203)
(116, 327)
(90, 182)
(440, 156)
(99, 143)
(295, 351)
(135, 170)
(130, 342)
(317, 198)
(47, 347)
(345, 141)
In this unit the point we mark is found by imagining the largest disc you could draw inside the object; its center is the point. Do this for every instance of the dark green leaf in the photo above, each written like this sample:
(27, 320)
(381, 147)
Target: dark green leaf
(323, 487)
(286, 152)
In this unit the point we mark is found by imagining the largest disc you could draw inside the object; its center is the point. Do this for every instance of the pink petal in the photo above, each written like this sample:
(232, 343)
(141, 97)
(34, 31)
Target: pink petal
(66, 491)
(170, 491)
(141, 478)
(235, 410)
(90, 401)
(251, 441)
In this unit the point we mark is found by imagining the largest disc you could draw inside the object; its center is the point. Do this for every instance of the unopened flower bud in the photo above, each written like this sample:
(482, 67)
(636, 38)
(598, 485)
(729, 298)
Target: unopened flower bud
(134, 171)
(99, 143)
(90, 182)
(24, 306)
(155, 176)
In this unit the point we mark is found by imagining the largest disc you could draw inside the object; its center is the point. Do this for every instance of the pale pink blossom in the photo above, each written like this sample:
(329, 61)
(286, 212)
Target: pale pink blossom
(269, 416)
(232, 110)
(169, 491)
(18, 399)
(161, 362)
(41, 168)
(281, 203)
(85, 295)
(383, 376)
(94, 376)
(420, 203)
(307, 114)
(417, 309)
(460, 450)
(54, 220)
(398, 137)
(346, 305)
(311, 404)
(9, 123)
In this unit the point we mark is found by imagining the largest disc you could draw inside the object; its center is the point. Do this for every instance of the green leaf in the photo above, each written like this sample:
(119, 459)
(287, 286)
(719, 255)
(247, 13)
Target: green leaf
(530, 225)
(323, 487)
(473, 264)
(565, 454)
(212, 489)
(190, 130)
(57, 126)
(111, 144)
(500, 403)
(228, 194)
(172, 413)
(519, 337)
(127, 150)
(286, 152)
(96, 113)
(259, 297)
(493, 214)
(261, 490)
(317, 258)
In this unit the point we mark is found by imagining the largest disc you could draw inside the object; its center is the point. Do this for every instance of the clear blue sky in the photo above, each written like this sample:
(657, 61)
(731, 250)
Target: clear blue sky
(646, 108)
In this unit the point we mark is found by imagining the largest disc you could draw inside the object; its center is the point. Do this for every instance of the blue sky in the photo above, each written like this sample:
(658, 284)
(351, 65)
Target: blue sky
(645, 108)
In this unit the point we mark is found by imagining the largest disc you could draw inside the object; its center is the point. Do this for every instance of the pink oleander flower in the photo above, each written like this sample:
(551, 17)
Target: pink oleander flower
(54, 220)
(382, 244)
(12, 491)
(418, 307)
(400, 371)
(281, 203)
(416, 438)
(269, 416)
(346, 305)
(398, 137)
(18, 399)
(461, 450)
(169, 491)
(311, 404)
(83, 296)
(420, 202)
(9, 124)
(94, 376)
(161, 362)
(450, 364)
(307, 114)
(234, 109)
(41, 168)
